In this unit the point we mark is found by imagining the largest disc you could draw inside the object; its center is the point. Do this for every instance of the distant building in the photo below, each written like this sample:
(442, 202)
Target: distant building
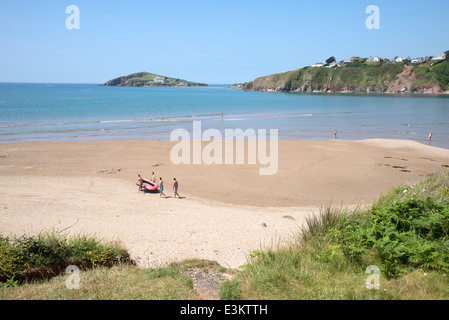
(402, 59)
(420, 59)
(159, 80)
(374, 59)
(352, 59)
(318, 64)
(439, 56)
(333, 64)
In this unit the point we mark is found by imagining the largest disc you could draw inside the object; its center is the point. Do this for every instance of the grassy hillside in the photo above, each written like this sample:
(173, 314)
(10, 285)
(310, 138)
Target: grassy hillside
(360, 77)
(141, 79)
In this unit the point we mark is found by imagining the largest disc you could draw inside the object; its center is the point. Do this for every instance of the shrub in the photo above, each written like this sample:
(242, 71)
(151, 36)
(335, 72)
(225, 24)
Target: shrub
(230, 290)
(402, 235)
(37, 257)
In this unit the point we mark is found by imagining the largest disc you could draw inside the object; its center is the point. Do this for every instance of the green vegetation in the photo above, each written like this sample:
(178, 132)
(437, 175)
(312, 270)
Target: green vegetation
(359, 76)
(120, 282)
(40, 257)
(125, 281)
(433, 73)
(142, 79)
(404, 234)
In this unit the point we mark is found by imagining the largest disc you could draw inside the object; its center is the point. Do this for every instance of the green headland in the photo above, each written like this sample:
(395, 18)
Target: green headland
(426, 75)
(146, 79)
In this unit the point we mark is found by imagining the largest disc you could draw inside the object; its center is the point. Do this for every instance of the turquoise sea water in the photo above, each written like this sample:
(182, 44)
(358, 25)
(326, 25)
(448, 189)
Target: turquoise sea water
(76, 112)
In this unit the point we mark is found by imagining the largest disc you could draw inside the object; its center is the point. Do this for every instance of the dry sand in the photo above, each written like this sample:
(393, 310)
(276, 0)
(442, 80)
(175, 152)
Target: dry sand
(226, 210)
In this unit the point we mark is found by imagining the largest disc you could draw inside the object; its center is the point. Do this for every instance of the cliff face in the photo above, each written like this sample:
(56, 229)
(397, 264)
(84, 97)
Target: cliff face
(361, 77)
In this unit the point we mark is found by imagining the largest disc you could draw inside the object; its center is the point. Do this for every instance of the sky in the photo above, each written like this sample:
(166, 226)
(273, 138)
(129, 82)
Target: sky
(216, 42)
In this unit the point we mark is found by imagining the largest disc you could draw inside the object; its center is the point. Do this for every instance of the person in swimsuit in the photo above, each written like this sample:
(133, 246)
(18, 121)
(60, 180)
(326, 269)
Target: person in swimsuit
(175, 188)
(140, 180)
(161, 187)
(153, 178)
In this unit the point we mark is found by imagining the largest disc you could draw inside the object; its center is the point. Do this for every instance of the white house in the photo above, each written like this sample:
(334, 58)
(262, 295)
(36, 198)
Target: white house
(401, 59)
(159, 80)
(352, 59)
(419, 59)
(333, 64)
(318, 64)
(439, 56)
(374, 59)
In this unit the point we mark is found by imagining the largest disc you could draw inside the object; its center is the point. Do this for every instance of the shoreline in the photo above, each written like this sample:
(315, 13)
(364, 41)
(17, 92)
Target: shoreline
(226, 210)
(343, 92)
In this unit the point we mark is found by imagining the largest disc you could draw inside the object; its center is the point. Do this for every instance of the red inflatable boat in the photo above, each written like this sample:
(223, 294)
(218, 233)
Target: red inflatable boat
(148, 185)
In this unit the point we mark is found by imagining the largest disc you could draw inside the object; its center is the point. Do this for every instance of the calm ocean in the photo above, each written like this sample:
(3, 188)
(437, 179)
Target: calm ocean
(75, 112)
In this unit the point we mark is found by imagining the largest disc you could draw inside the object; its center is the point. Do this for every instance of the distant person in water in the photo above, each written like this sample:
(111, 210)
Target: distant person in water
(430, 137)
(175, 188)
(161, 187)
(140, 181)
(335, 134)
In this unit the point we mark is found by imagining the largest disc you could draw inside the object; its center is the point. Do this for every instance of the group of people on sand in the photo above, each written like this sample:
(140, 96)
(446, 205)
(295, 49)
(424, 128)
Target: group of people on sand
(160, 185)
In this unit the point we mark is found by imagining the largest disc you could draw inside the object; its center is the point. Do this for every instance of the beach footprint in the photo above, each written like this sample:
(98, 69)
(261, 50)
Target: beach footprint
(110, 171)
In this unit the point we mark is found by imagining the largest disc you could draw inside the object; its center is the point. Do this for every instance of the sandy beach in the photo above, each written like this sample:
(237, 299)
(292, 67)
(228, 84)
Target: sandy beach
(225, 211)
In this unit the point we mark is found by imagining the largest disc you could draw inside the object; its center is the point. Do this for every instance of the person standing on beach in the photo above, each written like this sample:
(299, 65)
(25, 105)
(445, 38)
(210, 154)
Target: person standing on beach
(153, 178)
(161, 187)
(140, 181)
(175, 188)
(430, 137)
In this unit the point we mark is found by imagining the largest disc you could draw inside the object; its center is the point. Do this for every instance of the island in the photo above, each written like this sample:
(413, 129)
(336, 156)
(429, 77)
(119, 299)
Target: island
(146, 79)
(420, 75)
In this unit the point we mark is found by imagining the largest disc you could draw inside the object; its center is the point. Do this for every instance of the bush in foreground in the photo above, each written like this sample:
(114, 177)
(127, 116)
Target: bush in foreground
(404, 234)
(28, 258)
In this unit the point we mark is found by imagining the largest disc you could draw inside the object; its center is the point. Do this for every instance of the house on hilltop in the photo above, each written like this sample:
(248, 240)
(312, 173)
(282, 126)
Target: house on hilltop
(420, 59)
(439, 56)
(352, 59)
(318, 64)
(374, 59)
(402, 59)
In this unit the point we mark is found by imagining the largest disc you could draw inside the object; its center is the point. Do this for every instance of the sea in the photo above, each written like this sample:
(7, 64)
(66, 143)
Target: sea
(80, 112)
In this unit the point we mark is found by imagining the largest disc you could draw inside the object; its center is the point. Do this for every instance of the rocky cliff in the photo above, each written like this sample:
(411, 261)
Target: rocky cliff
(429, 77)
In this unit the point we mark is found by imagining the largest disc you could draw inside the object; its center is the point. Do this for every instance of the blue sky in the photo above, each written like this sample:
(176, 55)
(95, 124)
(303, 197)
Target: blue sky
(206, 41)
